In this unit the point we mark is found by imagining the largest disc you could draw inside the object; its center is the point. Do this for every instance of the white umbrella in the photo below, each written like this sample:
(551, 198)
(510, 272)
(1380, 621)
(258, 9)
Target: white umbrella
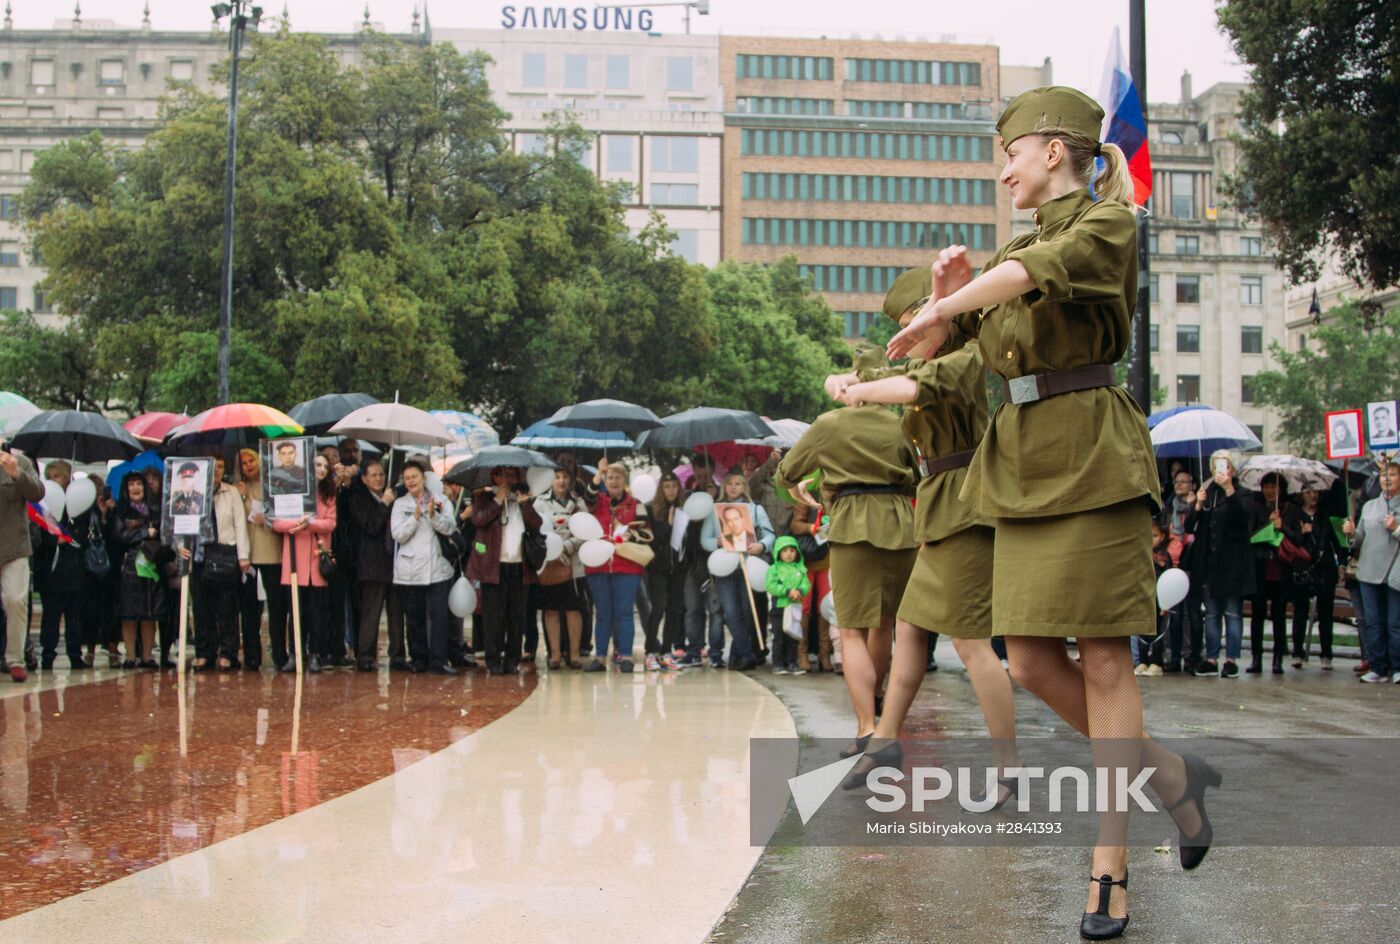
(1199, 433)
(394, 424)
(15, 411)
(786, 433)
(1298, 473)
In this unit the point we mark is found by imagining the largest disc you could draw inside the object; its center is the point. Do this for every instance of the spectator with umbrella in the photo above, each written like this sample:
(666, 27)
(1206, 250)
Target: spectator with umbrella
(19, 485)
(304, 541)
(1273, 577)
(136, 530)
(265, 556)
(216, 591)
(422, 569)
(370, 508)
(562, 598)
(58, 576)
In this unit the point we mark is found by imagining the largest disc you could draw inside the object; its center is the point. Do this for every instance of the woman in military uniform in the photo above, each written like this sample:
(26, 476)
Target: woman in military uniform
(869, 466)
(1066, 468)
(948, 591)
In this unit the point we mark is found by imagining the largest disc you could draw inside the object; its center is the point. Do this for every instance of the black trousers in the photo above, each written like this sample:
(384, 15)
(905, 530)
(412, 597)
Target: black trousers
(427, 623)
(1271, 600)
(344, 620)
(315, 619)
(372, 596)
(250, 610)
(664, 628)
(1150, 648)
(396, 602)
(215, 617)
(1326, 606)
(279, 607)
(1186, 630)
(532, 621)
(784, 647)
(64, 604)
(503, 612)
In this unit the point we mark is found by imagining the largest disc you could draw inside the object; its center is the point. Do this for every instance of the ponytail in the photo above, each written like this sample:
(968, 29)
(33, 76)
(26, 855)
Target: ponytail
(1114, 182)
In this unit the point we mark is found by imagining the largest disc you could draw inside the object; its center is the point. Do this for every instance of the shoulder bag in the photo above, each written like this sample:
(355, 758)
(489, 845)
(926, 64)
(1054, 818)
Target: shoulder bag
(220, 560)
(96, 561)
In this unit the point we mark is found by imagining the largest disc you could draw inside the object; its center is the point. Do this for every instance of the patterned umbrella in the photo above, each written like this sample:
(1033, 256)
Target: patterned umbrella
(15, 411)
(77, 435)
(1296, 472)
(233, 424)
(152, 428)
(470, 433)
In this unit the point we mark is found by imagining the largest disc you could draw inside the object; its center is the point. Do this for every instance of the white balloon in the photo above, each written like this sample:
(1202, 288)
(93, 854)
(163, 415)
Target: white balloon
(758, 572)
(540, 480)
(553, 546)
(434, 482)
(828, 609)
(722, 563)
(53, 498)
(699, 506)
(1172, 588)
(596, 553)
(644, 488)
(585, 527)
(81, 495)
(461, 599)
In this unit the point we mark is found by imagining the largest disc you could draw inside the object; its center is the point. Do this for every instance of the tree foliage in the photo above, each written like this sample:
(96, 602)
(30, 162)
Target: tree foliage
(388, 240)
(1317, 156)
(1348, 363)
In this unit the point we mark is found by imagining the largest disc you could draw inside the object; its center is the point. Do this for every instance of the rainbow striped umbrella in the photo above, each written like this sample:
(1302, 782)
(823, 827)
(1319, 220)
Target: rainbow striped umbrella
(233, 424)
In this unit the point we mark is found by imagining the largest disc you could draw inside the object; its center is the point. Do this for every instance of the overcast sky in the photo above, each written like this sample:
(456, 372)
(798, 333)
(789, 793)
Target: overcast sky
(1182, 34)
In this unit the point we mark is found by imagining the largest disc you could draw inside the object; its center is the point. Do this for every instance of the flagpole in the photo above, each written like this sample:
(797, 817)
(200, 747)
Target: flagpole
(1139, 367)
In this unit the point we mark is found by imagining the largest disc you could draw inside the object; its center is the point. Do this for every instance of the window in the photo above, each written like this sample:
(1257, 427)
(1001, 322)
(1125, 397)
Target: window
(26, 161)
(783, 67)
(1153, 294)
(913, 72)
(676, 155)
(1152, 244)
(680, 74)
(1154, 339)
(9, 254)
(1188, 245)
(1188, 339)
(1251, 245)
(1247, 392)
(760, 105)
(620, 151)
(9, 298)
(1251, 339)
(1302, 340)
(918, 147)
(9, 206)
(533, 143)
(619, 72)
(858, 322)
(688, 194)
(1188, 388)
(1257, 430)
(575, 70)
(1171, 137)
(1252, 290)
(874, 234)
(41, 304)
(843, 188)
(1188, 289)
(182, 70)
(41, 72)
(1183, 196)
(687, 245)
(532, 70)
(111, 72)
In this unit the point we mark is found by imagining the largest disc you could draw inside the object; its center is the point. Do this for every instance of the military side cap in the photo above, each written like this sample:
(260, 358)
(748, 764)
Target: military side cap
(911, 286)
(1050, 107)
(868, 359)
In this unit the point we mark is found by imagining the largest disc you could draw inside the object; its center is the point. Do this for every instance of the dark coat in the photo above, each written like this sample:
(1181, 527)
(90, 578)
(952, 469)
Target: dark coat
(374, 548)
(140, 599)
(665, 561)
(1321, 544)
(1226, 568)
(59, 567)
(484, 564)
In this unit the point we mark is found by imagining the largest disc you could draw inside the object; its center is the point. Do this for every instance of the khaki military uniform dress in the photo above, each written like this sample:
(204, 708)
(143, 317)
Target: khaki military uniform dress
(869, 465)
(1070, 480)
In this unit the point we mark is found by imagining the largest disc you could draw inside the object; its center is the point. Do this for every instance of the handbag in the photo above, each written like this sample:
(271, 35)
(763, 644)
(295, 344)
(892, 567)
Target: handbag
(555, 572)
(221, 560)
(534, 549)
(325, 561)
(1290, 553)
(96, 561)
(637, 547)
(812, 550)
(453, 546)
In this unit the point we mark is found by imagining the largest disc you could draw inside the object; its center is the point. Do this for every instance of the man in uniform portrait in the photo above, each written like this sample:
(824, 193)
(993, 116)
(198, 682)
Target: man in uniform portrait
(188, 498)
(288, 477)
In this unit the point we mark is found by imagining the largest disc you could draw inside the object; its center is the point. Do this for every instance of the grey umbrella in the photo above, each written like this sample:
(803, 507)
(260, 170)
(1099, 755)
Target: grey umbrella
(76, 435)
(320, 414)
(476, 472)
(704, 424)
(606, 416)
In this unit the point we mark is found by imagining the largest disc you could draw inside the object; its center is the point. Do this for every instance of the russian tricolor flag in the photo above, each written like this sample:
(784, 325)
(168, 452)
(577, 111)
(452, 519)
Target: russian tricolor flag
(1124, 123)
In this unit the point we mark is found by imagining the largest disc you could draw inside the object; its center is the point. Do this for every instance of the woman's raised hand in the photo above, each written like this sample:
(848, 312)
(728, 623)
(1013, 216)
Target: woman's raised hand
(836, 384)
(951, 271)
(926, 326)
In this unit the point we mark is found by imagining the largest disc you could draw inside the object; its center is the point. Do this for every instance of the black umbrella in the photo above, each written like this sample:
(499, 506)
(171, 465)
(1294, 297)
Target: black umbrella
(606, 416)
(320, 414)
(704, 424)
(476, 471)
(75, 435)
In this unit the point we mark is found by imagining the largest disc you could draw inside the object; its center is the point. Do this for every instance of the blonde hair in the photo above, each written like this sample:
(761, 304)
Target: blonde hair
(748, 496)
(1222, 454)
(1114, 182)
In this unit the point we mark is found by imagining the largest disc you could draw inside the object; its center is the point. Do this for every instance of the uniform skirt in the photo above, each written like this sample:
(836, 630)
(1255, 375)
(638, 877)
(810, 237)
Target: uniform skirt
(950, 590)
(1085, 575)
(868, 582)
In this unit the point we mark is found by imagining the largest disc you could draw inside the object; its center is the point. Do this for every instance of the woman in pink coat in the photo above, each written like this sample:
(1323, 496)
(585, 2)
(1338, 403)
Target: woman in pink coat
(304, 538)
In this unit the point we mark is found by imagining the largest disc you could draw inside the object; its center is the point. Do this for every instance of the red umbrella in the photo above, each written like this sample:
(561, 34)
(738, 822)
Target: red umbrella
(152, 428)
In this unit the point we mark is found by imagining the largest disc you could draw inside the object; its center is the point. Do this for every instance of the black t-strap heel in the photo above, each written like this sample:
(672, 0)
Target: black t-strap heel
(1100, 925)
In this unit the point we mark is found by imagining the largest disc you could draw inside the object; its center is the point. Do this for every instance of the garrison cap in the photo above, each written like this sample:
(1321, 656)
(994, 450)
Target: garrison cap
(868, 359)
(911, 286)
(1050, 106)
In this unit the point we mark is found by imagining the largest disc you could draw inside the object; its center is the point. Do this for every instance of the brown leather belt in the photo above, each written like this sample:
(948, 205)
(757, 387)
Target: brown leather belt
(1034, 387)
(955, 460)
(847, 491)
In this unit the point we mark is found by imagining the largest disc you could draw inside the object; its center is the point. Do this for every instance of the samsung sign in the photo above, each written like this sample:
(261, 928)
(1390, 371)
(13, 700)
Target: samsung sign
(576, 18)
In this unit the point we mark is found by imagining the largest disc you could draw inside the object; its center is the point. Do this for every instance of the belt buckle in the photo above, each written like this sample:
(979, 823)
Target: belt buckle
(1024, 389)
(923, 468)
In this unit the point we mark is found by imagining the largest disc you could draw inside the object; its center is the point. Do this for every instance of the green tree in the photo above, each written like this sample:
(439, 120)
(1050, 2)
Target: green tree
(1317, 156)
(1345, 366)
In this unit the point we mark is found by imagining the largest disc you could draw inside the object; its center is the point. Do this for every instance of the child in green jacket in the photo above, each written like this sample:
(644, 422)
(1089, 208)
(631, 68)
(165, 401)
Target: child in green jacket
(788, 585)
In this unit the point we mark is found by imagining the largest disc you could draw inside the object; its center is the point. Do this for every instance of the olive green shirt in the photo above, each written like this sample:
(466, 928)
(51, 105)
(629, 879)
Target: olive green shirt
(859, 446)
(948, 415)
(1077, 451)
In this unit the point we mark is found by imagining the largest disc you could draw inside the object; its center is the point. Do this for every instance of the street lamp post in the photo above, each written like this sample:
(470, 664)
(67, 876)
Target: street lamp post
(240, 12)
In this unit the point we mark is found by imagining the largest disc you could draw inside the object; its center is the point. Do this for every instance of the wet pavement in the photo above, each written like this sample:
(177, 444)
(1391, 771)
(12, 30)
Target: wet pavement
(1034, 894)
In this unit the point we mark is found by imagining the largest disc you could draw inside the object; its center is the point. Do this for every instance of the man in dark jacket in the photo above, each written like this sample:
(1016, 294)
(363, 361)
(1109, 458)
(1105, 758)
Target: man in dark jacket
(1273, 583)
(58, 578)
(1224, 568)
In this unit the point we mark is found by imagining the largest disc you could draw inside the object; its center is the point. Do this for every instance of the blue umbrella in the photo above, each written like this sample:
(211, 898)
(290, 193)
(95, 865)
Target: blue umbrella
(1160, 415)
(150, 459)
(1199, 433)
(544, 435)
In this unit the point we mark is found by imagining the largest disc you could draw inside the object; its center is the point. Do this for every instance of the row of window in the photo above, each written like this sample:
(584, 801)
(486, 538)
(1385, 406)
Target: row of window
(9, 300)
(851, 278)
(617, 72)
(43, 72)
(763, 105)
(861, 188)
(1190, 245)
(1188, 390)
(876, 234)
(858, 322)
(913, 71)
(816, 68)
(1188, 289)
(1188, 339)
(882, 109)
(898, 147)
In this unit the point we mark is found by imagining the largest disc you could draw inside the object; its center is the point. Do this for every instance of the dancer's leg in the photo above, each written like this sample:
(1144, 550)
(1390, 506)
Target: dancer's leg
(992, 687)
(861, 676)
(905, 677)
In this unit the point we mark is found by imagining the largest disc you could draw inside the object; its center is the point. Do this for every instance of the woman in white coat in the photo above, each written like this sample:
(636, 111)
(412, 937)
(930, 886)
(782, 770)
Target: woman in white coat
(421, 568)
(560, 596)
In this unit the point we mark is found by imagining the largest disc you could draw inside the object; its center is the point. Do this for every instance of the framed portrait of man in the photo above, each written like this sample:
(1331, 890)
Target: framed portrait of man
(1381, 429)
(1343, 431)
(736, 530)
(187, 511)
(288, 478)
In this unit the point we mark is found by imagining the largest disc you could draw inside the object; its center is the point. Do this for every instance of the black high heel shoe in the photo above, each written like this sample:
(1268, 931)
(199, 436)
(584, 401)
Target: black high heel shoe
(1199, 775)
(891, 755)
(857, 746)
(1100, 925)
(1010, 785)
